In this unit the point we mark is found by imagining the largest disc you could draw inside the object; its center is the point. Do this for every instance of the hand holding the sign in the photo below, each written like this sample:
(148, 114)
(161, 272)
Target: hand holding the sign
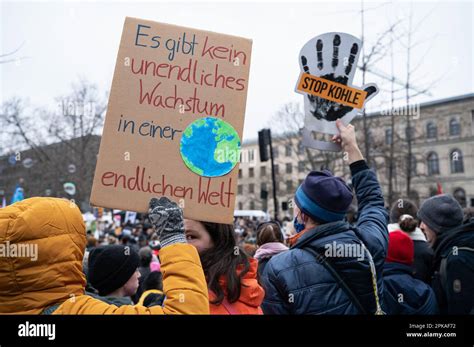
(347, 139)
(167, 218)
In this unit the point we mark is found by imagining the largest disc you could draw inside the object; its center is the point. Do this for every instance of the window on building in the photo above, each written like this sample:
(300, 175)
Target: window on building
(460, 195)
(251, 155)
(263, 171)
(263, 186)
(301, 166)
(275, 152)
(241, 206)
(251, 188)
(251, 172)
(276, 167)
(388, 136)
(410, 133)
(289, 168)
(433, 164)
(252, 205)
(289, 187)
(472, 128)
(454, 127)
(431, 130)
(300, 148)
(240, 173)
(370, 137)
(456, 160)
(240, 189)
(288, 150)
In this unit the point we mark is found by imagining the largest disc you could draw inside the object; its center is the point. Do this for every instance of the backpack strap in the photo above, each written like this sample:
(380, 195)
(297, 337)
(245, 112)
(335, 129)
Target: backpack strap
(322, 260)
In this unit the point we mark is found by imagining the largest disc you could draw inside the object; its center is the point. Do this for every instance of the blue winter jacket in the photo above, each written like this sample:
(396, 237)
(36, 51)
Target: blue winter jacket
(296, 283)
(404, 294)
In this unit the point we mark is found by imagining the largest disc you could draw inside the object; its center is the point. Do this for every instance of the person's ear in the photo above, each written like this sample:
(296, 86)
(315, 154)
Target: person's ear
(304, 218)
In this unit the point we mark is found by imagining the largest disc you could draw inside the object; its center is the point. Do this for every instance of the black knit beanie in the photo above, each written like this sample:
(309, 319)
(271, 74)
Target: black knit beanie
(110, 267)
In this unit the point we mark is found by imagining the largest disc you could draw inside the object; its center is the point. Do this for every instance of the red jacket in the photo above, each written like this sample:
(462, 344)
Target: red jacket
(251, 295)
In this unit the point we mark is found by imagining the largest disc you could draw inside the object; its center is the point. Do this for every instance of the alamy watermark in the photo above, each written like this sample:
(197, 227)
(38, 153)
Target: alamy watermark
(19, 250)
(344, 250)
(411, 110)
(235, 155)
(28, 329)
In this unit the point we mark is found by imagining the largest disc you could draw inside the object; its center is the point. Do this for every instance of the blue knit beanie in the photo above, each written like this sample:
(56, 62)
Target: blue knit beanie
(323, 197)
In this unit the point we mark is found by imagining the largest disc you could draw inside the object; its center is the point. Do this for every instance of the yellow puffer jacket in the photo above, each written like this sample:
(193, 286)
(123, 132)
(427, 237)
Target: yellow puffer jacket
(55, 227)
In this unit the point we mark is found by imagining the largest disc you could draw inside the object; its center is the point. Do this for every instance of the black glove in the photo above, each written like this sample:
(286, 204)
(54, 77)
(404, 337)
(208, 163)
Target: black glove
(167, 218)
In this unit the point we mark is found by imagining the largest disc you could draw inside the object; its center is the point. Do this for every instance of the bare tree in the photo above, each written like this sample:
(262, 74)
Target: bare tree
(371, 55)
(20, 128)
(288, 123)
(70, 130)
(409, 46)
(10, 56)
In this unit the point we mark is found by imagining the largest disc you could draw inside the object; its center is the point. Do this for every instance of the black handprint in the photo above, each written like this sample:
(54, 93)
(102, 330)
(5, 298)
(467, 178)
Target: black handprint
(326, 109)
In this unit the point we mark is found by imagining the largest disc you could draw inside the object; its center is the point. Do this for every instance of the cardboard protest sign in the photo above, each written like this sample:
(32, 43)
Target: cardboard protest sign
(174, 121)
(328, 64)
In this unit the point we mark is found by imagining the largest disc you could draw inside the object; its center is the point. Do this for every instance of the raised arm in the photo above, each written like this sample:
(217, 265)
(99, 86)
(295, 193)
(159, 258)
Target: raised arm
(373, 217)
(184, 283)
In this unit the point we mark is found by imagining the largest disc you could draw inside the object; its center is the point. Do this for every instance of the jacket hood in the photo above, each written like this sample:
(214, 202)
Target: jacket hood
(416, 235)
(461, 236)
(55, 229)
(269, 249)
(251, 293)
(418, 297)
(397, 268)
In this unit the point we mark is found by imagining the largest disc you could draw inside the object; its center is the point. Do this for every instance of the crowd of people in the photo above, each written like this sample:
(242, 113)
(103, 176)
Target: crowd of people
(402, 260)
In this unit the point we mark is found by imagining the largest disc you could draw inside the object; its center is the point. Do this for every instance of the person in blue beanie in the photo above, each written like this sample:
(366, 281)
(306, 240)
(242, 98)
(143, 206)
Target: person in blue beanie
(332, 267)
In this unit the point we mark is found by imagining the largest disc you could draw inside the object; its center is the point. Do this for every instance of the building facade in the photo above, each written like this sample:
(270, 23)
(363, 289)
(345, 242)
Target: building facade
(44, 171)
(442, 147)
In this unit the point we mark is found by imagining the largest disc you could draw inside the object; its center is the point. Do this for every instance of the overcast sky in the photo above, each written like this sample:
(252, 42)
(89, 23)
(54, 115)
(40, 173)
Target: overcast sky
(65, 41)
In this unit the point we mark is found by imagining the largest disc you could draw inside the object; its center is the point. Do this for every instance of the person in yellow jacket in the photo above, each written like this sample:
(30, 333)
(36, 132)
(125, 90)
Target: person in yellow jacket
(42, 243)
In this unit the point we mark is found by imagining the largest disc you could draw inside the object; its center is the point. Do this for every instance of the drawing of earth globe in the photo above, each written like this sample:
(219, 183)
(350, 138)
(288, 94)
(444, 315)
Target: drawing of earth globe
(210, 147)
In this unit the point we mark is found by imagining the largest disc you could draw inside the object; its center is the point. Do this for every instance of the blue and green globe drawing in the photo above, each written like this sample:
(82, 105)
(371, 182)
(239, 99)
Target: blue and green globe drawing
(210, 147)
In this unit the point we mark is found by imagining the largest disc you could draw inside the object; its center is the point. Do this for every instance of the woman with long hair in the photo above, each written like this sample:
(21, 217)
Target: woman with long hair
(230, 274)
(270, 242)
